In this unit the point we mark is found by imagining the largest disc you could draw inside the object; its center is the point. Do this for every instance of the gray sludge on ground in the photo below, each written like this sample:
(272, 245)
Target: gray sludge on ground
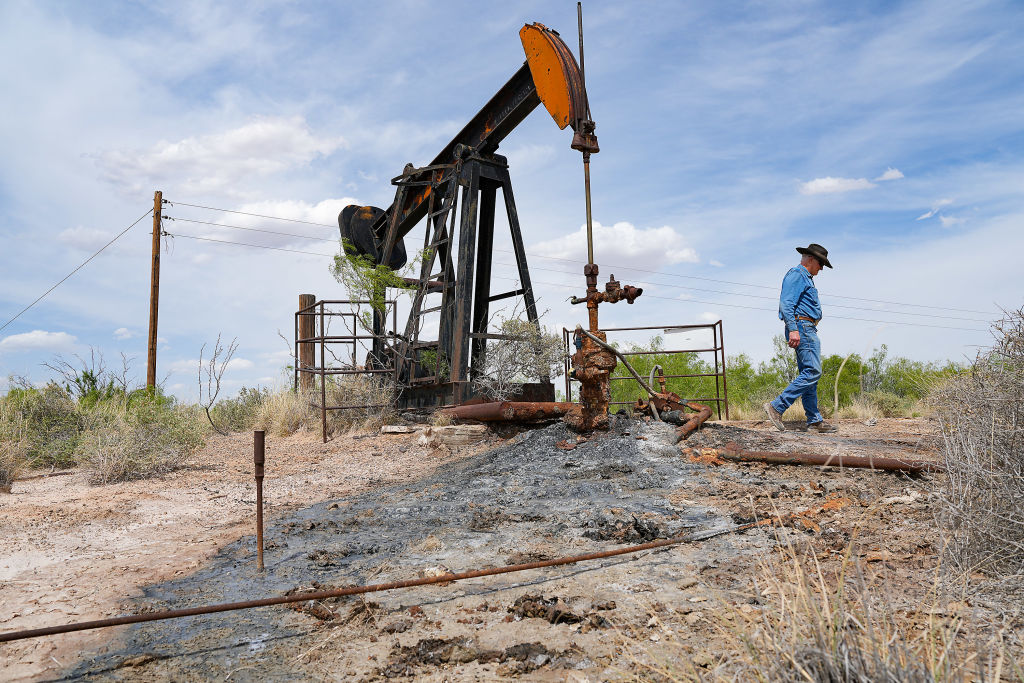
(609, 491)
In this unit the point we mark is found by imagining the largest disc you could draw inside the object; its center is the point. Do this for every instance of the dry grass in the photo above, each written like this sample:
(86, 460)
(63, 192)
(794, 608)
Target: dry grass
(285, 412)
(800, 624)
(981, 413)
(861, 408)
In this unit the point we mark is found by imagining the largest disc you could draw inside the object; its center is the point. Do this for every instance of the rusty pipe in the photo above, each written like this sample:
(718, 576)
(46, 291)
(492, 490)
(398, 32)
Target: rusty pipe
(733, 452)
(258, 458)
(358, 590)
(512, 411)
(695, 420)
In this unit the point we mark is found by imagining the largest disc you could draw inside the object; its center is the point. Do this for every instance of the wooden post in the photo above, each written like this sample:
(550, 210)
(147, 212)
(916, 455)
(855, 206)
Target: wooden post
(307, 350)
(154, 290)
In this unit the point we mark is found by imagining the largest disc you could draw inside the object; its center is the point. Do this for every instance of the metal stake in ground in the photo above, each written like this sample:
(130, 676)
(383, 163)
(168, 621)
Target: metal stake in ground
(258, 457)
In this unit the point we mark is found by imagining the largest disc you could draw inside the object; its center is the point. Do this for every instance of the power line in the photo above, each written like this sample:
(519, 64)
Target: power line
(771, 298)
(239, 227)
(257, 215)
(246, 244)
(649, 296)
(758, 308)
(747, 284)
(632, 269)
(41, 296)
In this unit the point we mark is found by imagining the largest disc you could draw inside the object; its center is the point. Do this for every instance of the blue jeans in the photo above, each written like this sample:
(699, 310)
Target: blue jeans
(805, 386)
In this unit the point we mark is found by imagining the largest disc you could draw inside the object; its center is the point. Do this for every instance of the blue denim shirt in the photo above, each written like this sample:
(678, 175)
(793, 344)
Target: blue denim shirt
(799, 297)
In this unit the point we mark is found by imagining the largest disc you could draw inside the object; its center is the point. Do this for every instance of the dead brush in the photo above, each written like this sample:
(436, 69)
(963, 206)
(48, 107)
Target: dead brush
(799, 623)
(981, 413)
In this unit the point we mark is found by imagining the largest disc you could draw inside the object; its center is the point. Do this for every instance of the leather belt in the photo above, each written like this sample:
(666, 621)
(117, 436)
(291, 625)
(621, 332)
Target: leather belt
(810, 320)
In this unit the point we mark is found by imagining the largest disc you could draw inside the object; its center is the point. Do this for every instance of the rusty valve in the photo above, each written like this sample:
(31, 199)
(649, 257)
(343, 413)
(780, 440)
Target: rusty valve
(613, 290)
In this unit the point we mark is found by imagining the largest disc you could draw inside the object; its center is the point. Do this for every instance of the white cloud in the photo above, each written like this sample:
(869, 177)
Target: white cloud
(218, 161)
(891, 174)
(38, 340)
(716, 263)
(123, 333)
(709, 317)
(935, 209)
(950, 221)
(830, 185)
(623, 244)
(85, 239)
(239, 364)
(323, 212)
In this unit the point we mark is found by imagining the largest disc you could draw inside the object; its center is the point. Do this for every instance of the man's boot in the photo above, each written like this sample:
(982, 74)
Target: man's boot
(774, 416)
(822, 428)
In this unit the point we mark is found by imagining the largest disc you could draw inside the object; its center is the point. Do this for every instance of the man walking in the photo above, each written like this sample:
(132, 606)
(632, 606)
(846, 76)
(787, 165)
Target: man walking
(800, 309)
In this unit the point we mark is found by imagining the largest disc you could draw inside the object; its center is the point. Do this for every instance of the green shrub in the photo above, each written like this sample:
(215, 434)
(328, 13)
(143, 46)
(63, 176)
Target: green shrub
(134, 439)
(239, 413)
(118, 435)
(889, 404)
(12, 448)
(52, 424)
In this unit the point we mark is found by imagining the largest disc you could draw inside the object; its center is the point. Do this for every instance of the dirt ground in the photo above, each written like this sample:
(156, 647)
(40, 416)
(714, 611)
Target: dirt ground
(70, 551)
(371, 508)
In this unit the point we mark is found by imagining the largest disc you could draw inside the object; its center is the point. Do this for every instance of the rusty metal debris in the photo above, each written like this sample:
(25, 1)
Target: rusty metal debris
(373, 588)
(670, 407)
(695, 421)
(732, 451)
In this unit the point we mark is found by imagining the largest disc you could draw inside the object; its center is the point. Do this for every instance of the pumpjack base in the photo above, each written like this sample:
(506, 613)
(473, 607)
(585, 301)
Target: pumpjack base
(461, 393)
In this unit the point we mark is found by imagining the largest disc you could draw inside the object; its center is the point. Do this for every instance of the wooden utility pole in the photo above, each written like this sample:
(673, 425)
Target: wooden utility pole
(154, 290)
(307, 328)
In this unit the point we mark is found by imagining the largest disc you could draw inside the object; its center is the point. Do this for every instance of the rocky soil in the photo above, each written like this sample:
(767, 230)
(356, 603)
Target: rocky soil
(370, 508)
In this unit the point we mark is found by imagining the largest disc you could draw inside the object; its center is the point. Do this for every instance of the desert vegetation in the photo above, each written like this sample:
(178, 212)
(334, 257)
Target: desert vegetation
(878, 386)
(115, 433)
(981, 413)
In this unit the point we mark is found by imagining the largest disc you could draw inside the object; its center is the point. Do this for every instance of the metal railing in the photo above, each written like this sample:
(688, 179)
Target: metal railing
(311, 331)
(717, 349)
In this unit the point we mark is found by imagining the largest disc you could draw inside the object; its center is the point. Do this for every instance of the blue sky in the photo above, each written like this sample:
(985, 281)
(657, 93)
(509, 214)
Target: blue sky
(730, 133)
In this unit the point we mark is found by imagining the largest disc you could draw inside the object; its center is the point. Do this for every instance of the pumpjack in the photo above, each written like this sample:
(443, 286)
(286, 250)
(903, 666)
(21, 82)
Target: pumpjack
(459, 235)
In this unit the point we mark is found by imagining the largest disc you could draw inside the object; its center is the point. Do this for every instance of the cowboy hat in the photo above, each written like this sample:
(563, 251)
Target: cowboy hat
(817, 251)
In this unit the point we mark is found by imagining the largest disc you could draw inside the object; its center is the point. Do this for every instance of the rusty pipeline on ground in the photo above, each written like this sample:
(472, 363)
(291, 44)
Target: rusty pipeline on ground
(510, 411)
(695, 421)
(732, 451)
(373, 588)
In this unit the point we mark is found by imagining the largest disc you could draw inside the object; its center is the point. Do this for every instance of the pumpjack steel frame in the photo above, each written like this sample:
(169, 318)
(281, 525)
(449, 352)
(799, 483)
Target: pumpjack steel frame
(441, 371)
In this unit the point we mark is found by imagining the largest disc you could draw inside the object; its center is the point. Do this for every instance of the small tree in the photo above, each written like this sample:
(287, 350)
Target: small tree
(368, 281)
(210, 376)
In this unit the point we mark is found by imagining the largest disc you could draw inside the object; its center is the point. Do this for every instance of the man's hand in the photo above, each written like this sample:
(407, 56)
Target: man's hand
(794, 339)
